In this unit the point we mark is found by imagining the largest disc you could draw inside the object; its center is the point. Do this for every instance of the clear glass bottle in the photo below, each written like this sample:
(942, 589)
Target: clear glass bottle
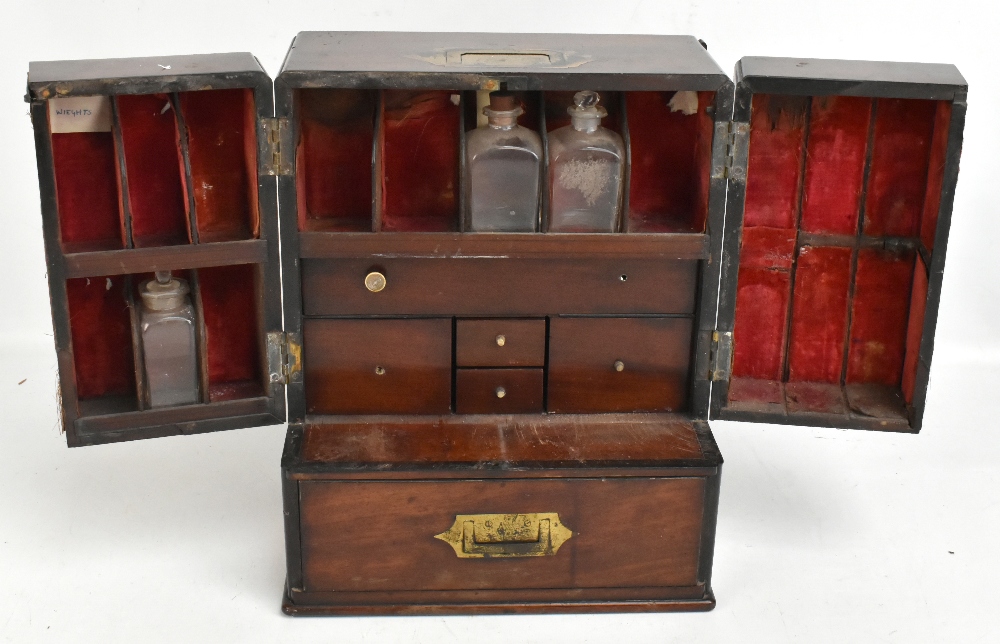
(168, 342)
(503, 162)
(586, 163)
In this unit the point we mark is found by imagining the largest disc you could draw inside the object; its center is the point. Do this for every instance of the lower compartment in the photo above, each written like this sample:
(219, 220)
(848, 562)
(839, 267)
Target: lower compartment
(623, 528)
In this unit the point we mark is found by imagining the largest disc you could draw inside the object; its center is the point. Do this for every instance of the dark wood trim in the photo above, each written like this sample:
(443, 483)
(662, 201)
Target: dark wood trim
(936, 266)
(404, 604)
(290, 501)
(185, 414)
(810, 419)
(161, 258)
(123, 201)
(322, 245)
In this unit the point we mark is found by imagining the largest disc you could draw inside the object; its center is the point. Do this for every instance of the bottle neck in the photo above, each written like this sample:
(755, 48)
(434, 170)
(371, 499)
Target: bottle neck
(502, 121)
(586, 122)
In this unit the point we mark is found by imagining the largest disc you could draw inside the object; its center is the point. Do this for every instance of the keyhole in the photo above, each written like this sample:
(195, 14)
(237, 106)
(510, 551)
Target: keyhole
(379, 371)
(623, 277)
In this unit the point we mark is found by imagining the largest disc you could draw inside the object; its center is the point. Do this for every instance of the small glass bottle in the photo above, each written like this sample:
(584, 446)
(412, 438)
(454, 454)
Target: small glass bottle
(503, 162)
(168, 342)
(586, 163)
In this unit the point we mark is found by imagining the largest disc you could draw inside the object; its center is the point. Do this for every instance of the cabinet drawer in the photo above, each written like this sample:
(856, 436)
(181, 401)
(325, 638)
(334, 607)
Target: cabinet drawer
(619, 364)
(381, 535)
(500, 343)
(499, 391)
(470, 286)
(377, 366)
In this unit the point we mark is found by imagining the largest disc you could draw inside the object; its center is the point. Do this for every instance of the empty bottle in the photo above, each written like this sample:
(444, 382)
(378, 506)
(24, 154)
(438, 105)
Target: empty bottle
(503, 162)
(168, 342)
(586, 163)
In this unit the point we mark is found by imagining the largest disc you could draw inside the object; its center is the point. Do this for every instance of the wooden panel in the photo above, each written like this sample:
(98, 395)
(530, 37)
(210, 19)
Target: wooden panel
(499, 391)
(500, 343)
(377, 366)
(318, 245)
(479, 286)
(380, 535)
(148, 260)
(516, 441)
(655, 357)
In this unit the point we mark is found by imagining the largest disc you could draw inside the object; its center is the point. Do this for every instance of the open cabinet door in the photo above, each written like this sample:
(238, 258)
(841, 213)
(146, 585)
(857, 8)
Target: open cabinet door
(160, 164)
(835, 241)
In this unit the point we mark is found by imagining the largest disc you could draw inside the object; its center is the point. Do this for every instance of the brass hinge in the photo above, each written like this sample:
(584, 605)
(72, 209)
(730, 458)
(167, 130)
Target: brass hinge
(277, 148)
(721, 359)
(730, 150)
(284, 357)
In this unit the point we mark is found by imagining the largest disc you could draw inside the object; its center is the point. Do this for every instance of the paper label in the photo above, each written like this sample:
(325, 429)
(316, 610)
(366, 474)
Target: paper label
(80, 114)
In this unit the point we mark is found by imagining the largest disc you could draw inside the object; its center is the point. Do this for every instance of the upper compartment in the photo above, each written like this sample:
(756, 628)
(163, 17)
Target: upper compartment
(153, 164)
(379, 138)
(838, 232)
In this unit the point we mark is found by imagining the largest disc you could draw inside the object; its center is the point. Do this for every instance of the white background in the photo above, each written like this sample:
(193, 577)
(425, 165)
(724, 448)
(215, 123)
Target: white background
(824, 535)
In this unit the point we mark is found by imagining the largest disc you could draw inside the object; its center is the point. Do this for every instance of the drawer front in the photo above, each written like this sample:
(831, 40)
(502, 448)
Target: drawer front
(377, 366)
(495, 286)
(619, 364)
(499, 391)
(382, 535)
(500, 343)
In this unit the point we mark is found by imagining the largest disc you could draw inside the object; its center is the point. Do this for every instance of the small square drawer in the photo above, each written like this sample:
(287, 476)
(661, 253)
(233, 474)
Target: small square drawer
(499, 391)
(500, 343)
(377, 366)
(619, 364)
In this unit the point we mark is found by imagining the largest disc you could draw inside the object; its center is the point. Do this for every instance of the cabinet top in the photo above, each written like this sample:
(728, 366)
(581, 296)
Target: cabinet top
(819, 77)
(365, 56)
(150, 74)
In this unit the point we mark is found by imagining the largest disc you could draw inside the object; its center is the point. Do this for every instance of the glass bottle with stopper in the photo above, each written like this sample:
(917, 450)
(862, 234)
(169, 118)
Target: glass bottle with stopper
(503, 162)
(586, 165)
(170, 352)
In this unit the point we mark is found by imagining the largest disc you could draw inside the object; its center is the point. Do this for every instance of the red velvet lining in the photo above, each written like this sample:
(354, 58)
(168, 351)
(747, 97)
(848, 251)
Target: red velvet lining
(101, 332)
(222, 142)
(420, 161)
(762, 302)
(898, 175)
(836, 150)
(668, 189)
(155, 190)
(777, 129)
(915, 329)
(935, 174)
(86, 172)
(819, 314)
(229, 305)
(882, 289)
(334, 159)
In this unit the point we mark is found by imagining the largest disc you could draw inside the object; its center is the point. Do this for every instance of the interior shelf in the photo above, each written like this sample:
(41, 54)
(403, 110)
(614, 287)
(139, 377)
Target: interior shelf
(392, 160)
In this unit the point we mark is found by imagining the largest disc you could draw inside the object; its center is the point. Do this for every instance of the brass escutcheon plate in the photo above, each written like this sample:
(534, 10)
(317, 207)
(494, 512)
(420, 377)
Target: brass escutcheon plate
(484, 536)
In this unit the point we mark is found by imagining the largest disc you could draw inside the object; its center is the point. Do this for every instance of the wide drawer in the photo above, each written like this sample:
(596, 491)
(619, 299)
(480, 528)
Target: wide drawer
(377, 366)
(619, 364)
(496, 286)
(595, 533)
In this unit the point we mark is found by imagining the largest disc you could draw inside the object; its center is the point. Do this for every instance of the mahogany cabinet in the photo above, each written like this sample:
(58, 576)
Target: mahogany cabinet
(494, 422)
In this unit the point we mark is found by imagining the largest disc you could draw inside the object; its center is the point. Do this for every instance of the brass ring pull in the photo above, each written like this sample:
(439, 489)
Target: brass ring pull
(375, 281)
(475, 536)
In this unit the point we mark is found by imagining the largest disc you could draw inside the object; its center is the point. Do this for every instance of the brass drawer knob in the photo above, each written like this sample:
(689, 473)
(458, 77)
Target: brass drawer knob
(379, 371)
(375, 281)
(501, 392)
(619, 365)
(501, 340)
